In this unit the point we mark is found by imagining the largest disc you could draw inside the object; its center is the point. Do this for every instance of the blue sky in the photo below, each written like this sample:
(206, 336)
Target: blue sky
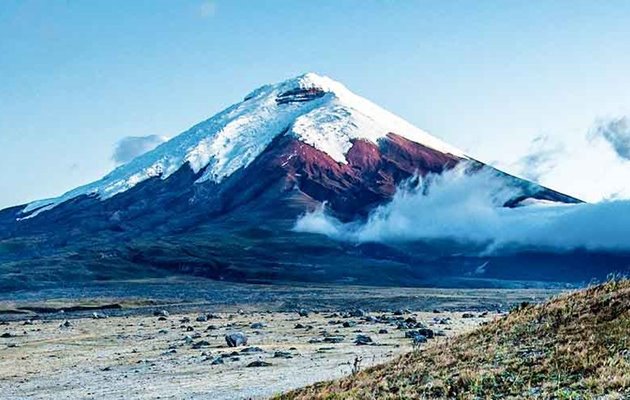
(76, 77)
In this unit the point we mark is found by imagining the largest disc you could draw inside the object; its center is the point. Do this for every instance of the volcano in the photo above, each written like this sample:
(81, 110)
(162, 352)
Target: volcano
(220, 200)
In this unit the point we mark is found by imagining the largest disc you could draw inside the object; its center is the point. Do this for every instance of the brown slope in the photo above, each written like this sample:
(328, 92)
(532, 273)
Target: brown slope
(573, 347)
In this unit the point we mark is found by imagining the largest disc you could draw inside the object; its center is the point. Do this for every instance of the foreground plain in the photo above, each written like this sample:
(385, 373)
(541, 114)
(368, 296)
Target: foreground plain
(182, 353)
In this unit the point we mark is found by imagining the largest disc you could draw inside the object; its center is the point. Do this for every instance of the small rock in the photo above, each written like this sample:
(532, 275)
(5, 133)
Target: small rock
(257, 325)
(201, 318)
(419, 339)
(98, 315)
(250, 350)
(467, 315)
(282, 354)
(200, 344)
(258, 363)
(382, 331)
(161, 313)
(298, 326)
(65, 324)
(211, 328)
(236, 339)
(217, 360)
(349, 324)
(362, 340)
(6, 335)
(302, 312)
(358, 313)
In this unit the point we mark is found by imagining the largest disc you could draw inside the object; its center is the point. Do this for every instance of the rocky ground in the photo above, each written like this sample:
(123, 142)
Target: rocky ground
(139, 352)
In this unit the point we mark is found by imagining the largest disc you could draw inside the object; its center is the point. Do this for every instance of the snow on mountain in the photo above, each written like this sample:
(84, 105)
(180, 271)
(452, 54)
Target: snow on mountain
(315, 109)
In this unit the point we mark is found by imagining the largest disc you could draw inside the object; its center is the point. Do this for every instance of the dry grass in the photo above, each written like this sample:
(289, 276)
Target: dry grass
(576, 346)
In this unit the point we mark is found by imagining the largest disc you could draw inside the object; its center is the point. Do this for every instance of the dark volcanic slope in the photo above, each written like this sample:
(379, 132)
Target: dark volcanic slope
(240, 229)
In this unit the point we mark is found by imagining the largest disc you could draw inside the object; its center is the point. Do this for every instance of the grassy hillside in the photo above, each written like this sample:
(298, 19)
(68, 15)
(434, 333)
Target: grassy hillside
(574, 347)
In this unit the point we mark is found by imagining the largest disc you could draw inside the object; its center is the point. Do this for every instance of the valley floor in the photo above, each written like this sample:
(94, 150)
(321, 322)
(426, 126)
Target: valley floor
(134, 354)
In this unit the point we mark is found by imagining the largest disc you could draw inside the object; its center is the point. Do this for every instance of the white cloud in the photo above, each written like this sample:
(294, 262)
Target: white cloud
(541, 159)
(616, 131)
(467, 208)
(131, 147)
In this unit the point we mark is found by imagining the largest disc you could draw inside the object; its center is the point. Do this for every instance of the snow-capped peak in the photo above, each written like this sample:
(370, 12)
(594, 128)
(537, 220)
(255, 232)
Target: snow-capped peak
(315, 109)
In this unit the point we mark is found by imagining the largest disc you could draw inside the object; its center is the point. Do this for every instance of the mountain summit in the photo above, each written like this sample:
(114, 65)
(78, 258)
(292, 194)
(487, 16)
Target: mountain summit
(313, 109)
(221, 199)
(339, 127)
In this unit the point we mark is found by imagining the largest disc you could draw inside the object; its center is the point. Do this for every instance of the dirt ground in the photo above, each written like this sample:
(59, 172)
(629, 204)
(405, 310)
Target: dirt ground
(177, 357)
(138, 353)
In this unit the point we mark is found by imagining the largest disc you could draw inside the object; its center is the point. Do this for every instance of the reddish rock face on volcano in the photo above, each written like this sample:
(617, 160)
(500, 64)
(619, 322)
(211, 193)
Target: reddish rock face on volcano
(369, 178)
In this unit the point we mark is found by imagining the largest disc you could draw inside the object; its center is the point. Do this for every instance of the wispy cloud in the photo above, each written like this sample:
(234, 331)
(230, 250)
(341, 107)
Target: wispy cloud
(541, 159)
(131, 147)
(208, 9)
(468, 208)
(616, 131)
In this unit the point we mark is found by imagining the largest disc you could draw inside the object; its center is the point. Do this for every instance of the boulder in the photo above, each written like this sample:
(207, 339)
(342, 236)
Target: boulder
(236, 339)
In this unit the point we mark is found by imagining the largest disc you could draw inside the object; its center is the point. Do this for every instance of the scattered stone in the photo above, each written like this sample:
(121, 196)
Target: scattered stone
(236, 339)
(6, 335)
(98, 315)
(162, 318)
(349, 324)
(362, 340)
(217, 361)
(251, 350)
(257, 325)
(282, 354)
(184, 320)
(383, 331)
(211, 328)
(299, 326)
(161, 313)
(201, 318)
(258, 363)
(65, 324)
(28, 322)
(358, 313)
(302, 312)
(467, 315)
(333, 339)
(200, 344)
